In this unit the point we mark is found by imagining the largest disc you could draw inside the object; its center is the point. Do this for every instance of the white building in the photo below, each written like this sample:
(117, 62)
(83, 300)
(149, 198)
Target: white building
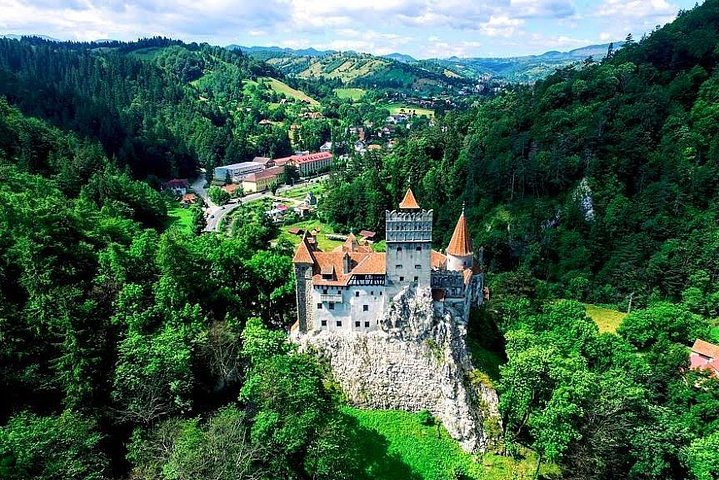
(237, 171)
(350, 287)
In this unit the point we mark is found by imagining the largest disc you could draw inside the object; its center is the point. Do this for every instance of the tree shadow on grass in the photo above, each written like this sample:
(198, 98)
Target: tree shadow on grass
(372, 452)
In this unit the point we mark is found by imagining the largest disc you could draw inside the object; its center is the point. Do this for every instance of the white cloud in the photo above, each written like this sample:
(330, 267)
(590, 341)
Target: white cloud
(501, 26)
(644, 9)
(420, 27)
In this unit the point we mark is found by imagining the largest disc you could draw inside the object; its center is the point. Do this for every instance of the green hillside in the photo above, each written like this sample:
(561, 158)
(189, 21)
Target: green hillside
(369, 71)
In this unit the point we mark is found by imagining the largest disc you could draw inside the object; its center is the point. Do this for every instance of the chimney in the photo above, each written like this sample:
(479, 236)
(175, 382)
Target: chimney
(346, 263)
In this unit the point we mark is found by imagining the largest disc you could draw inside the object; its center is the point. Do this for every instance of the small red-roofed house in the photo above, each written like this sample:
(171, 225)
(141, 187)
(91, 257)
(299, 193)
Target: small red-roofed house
(705, 356)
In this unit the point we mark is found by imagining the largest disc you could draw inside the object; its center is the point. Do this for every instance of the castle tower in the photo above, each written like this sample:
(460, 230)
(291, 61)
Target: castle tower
(409, 246)
(459, 251)
(303, 262)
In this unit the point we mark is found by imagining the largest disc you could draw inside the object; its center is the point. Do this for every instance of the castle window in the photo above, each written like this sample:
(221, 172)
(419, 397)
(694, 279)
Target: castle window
(419, 249)
(416, 279)
(401, 279)
(372, 292)
(418, 267)
(399, 249)
(332, 305)
(339, 323)
(357, 324)
(324, 323)
(319, 306)
(324, 291)
(398, 267)
(356, 294)
(380, 293)
(366, 324)
(365, 308)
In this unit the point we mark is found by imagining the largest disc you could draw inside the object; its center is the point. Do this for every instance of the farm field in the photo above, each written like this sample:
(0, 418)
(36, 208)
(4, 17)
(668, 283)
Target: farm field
(351, 93)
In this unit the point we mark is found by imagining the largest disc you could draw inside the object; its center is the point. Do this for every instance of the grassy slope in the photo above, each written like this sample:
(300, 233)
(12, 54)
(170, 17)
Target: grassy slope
(351, 93)
(607, 320)
(325, 244)
(404, 449)
(281, 87)
(179, 217)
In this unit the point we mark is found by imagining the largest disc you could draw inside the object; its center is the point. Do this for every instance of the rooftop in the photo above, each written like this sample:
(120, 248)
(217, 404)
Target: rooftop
(461, 243)
(409, 202)
(706, 349)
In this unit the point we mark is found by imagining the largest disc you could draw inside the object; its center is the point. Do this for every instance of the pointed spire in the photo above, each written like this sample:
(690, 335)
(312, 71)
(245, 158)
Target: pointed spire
(461, 243)
(351, 244)
(409, 202)
(303, 254)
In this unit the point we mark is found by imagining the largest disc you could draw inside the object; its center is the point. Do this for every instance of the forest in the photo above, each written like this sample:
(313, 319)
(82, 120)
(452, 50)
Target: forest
(132, 349)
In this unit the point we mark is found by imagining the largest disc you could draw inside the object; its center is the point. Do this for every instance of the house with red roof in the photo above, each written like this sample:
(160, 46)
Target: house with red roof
(705, 356)
(307, 163)
(177, 186)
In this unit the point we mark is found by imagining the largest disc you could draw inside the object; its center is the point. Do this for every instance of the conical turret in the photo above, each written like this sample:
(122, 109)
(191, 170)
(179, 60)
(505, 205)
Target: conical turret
(459, 251)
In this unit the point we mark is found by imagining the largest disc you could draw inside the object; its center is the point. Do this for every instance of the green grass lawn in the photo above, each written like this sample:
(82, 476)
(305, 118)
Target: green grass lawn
(351, 93)
(179, 217)
(607, 320)
(397, 446)
(300, 191)
(290, 92)
(325, 244)
(396, 108)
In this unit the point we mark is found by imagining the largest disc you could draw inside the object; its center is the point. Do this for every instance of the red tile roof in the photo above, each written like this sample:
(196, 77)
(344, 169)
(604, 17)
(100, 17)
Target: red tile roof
(231, 188)
(409, 202)
(361, 263)
(706, 349)
(303, 254)
(264, 174)
(189, 198)
(177, 182)
(367, 234)
(439, 260)
(301, 159)
(467, 275)
(461, 243)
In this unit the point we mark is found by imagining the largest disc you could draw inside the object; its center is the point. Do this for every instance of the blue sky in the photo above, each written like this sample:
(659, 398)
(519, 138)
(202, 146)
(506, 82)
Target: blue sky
(422, 28)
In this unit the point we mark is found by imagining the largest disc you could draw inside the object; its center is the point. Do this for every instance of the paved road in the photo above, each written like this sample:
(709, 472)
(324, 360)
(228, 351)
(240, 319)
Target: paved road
(198, 186)
(214, 214)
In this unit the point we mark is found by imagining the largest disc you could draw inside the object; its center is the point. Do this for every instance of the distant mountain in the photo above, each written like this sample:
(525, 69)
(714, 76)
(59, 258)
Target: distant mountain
(18, 37)
(350, 66)
(400, 57)
(526, 69)
(268, 52)
(368, 71)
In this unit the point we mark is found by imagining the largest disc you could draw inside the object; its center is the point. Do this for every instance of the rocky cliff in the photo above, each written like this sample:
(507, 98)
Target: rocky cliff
(417, 360)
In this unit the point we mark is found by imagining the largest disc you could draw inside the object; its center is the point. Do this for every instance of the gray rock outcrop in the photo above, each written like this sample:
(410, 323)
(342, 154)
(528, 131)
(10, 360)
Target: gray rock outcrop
(416, 360)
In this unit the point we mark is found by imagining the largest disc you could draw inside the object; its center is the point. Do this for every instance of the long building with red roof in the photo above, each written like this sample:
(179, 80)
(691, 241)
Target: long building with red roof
(352, 286)
(307, 164)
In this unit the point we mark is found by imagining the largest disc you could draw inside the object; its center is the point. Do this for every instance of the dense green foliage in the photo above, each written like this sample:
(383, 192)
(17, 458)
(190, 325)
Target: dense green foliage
(594, 403)
(158, 106)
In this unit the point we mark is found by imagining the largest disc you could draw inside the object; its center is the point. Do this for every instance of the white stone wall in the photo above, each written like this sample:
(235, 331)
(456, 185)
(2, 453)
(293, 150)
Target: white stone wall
(350, 310)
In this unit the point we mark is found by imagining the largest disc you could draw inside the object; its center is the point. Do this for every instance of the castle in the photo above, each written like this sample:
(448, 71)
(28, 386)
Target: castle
(351, 287)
